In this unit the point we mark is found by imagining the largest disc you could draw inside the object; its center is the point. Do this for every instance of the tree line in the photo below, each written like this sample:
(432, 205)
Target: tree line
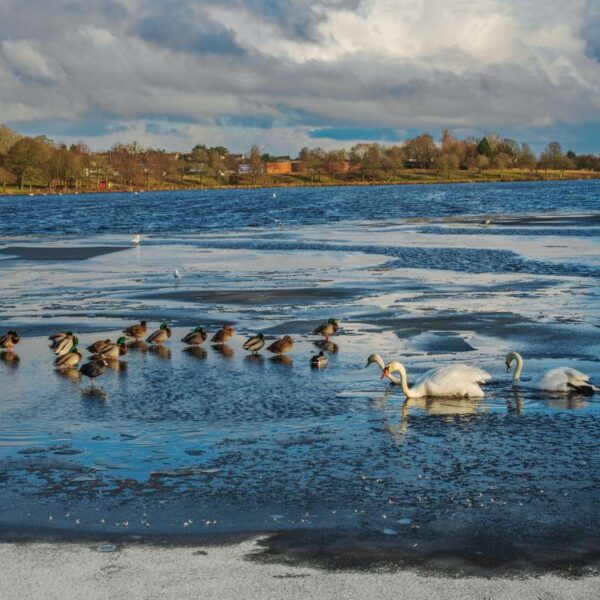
(41, 162)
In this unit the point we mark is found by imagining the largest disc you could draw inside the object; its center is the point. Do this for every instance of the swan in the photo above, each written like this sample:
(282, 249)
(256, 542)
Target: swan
(136, 239)
(561, 379)
(375, 358)
(452, 380)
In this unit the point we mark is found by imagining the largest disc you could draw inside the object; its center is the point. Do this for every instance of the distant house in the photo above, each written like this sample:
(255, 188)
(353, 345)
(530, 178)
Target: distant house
(244, 169)
(281, 165)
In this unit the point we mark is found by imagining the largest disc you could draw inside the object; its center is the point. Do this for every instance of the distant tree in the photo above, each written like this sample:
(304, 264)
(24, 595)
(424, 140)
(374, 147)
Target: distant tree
(553, 158)
(525, 158)
(482, 162)
(255, 162)
(446, 162)
(502, 161)
(315, 163)
(334, 162)
(419, 152)
(27, 159)
(484, 148)
(392, 161)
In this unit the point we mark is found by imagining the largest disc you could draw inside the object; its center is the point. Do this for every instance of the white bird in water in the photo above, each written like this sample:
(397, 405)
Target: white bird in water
(561, 379)
(453, 380)
(176, 274)
(277, 222)
(136, 239)
(274, 195)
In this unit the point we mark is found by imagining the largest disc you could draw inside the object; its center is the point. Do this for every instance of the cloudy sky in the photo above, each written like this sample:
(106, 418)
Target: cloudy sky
(289, 73)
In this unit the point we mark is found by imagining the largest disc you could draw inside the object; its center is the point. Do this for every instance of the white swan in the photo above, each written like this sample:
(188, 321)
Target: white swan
(136, 239)
(376, 359)
(453, 380)
(561, 379)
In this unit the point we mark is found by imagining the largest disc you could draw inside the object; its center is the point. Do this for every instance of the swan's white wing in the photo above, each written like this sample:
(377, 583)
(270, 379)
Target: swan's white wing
(453, 380)
(563, 379)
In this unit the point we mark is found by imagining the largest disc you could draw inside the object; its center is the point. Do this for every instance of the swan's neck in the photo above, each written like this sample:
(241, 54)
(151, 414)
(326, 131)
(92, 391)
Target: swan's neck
(381, 365)
(519, 359)
(403, 380)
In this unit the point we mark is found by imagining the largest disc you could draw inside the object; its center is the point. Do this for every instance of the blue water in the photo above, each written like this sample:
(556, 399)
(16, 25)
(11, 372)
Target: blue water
(210, 210)
(182, 443)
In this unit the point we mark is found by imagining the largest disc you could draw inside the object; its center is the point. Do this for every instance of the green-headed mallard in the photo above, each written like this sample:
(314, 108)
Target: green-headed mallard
(9, 340)
(223, 335)
(71, 359)
(195, 337)
(58, 338)
(99, 345)
(327, 329)
(65, 344)
(93, 369)
(136, 331)
(160, 335)
(113, 350)
(281, 346)
(254, 344)
(318, 361)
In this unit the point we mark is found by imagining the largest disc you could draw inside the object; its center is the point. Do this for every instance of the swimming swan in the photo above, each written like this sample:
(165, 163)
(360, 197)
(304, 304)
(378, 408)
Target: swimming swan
(561, 379)
(453, 380)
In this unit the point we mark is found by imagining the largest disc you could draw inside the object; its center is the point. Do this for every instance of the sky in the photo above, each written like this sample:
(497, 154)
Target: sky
(291, 73)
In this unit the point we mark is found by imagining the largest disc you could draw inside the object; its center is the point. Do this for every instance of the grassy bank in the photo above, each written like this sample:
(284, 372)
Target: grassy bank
(408, 176)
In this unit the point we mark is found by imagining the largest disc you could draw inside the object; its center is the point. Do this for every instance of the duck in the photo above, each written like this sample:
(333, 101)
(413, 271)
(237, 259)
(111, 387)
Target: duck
(328, 328)
(223, 335)
(560, 379)
(57, 338)
(255, 343)
(64, 345)
(136, 331)
(195, 337)
(93, 369)
(282, 345)
(113, 350)
(97, 346)
(71, 359)
(160, 335)
(318, 361)
(9, 340)
(461, 381)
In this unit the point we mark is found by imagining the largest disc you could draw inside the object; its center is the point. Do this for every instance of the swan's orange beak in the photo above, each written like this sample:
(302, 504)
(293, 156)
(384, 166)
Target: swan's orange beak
(384, 373)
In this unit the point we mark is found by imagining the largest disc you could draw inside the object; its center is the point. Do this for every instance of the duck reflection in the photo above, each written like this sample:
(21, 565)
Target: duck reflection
(138, 345)
(116, 365)
(196, 352)
(224, 350)
(327, 346)
(70, 373)
(255, 359)
(161, 351)
(567, 401)
(10, 358)
(282, 359)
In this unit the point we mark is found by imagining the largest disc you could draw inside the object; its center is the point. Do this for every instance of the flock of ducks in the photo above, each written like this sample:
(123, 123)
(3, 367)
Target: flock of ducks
(459, 380)
(65, 345)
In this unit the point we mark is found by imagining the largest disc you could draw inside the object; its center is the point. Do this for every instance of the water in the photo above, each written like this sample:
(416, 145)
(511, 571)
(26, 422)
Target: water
(188, 443)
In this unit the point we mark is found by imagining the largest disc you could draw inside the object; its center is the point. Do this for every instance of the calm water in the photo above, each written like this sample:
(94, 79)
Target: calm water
(188, 443)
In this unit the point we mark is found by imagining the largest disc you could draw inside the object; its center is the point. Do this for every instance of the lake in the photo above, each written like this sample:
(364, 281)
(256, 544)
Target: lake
(180, 444)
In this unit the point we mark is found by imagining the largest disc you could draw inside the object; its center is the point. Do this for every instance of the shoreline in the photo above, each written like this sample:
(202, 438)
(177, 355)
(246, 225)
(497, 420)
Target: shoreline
(547, 178)
(63, 572)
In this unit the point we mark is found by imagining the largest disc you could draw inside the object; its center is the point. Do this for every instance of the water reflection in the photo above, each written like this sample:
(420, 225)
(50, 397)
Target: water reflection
(282, 359)
(71, 373)
(224, 350)
(138, 345)
(196, 352)
(116, 365)
(161, 351)
(255, 359)
(327, 346)
(10, 358)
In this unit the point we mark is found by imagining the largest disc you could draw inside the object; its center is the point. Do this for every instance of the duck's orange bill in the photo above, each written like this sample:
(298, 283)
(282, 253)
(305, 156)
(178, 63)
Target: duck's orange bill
(384, 373)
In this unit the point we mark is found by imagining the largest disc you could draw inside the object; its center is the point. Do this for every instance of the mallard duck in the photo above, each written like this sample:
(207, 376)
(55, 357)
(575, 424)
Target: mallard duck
(136, 331)
(327, 329)
(160, 335)
(65, 344)
(223, 335)
(318, 361)
(97, 346)
(71, 359)
(57, 338)
(93, 369)
(195, 337)
(254, 344)
(9, 340)
(113, 350)
(281, 346)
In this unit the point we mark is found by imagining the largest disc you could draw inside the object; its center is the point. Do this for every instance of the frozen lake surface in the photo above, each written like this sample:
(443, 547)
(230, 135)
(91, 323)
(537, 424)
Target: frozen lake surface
(183, 443)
